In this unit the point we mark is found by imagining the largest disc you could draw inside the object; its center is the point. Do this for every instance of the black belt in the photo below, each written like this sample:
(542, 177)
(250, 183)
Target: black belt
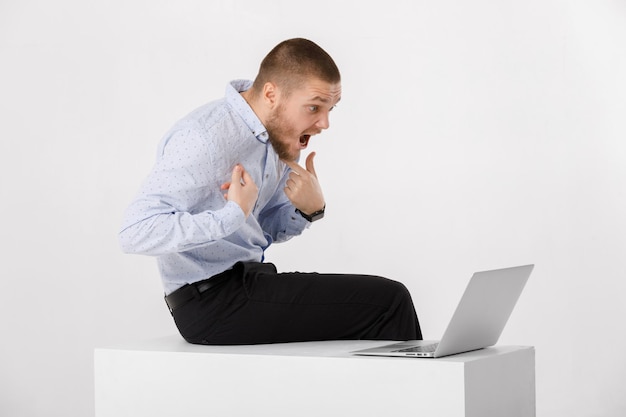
(188, 292)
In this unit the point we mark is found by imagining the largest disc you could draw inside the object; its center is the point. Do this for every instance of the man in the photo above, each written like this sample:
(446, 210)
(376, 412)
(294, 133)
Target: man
(226, 185)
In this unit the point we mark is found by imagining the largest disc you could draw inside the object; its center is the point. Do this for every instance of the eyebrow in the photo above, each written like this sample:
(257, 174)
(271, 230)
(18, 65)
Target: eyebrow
(319, 98)
(323, 99)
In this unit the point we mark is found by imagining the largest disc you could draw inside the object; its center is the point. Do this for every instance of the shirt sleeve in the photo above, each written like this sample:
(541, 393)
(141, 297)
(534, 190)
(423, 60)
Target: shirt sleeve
(180, 205)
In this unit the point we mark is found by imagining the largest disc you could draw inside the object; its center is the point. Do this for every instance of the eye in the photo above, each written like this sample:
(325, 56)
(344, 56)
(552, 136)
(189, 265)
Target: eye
(313, 109)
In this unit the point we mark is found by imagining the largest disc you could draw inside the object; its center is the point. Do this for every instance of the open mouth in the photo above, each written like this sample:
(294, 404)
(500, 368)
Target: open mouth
(304, 141)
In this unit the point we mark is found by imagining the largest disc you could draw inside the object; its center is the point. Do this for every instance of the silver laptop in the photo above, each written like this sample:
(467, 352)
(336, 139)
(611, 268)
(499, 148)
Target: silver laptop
(477, 322)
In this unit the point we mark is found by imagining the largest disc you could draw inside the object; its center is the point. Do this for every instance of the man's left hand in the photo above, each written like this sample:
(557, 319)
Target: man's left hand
(302, 187)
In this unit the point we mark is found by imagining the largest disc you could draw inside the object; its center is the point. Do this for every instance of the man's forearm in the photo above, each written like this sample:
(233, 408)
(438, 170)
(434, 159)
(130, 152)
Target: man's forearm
(180, 231)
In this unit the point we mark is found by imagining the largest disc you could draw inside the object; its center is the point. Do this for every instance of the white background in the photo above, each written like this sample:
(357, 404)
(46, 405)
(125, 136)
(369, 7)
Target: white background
(471, 135)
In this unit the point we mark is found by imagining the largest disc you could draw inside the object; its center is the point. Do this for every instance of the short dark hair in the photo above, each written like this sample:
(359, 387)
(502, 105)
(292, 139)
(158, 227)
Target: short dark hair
(292, 62)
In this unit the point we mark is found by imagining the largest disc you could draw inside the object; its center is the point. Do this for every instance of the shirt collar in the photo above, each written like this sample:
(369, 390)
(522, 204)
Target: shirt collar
(241, 106)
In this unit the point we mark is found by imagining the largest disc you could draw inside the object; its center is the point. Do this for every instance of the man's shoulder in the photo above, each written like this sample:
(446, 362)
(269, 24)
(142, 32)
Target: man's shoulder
(215, 117)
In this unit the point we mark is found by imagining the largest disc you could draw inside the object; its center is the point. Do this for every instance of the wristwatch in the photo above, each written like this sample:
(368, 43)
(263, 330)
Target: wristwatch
(313, 216)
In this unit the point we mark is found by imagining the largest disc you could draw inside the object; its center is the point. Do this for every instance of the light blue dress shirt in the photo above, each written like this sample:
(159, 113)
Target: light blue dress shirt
(180, 214)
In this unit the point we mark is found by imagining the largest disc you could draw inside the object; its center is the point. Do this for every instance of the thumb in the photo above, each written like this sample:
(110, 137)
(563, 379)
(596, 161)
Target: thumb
(235, 176)
(309, 164)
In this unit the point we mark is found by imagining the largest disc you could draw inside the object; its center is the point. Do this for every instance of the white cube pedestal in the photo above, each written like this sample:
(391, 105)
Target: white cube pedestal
(168, 377)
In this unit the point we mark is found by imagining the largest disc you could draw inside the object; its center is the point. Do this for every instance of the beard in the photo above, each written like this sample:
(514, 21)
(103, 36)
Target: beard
(281, 135)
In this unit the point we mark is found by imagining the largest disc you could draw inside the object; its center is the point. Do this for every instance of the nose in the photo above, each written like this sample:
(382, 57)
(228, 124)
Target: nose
(323, 122)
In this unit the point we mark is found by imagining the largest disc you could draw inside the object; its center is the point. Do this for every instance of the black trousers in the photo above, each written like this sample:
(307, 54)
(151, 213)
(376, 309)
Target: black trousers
(255, 304)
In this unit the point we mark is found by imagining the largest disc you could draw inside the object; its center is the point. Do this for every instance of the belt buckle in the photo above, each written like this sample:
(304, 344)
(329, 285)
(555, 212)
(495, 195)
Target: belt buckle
(202, 287)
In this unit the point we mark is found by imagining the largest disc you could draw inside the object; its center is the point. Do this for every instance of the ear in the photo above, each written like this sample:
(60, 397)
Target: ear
(270, 94)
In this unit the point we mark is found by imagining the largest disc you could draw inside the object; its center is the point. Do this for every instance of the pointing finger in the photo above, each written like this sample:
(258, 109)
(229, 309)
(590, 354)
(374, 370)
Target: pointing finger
(247, 178)
(294, 167)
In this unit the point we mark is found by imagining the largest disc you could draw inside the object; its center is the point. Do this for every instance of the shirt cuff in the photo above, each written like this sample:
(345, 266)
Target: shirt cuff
(297, 224)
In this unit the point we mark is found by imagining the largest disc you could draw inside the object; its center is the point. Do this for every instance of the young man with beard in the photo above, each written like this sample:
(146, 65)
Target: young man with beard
(226, 185)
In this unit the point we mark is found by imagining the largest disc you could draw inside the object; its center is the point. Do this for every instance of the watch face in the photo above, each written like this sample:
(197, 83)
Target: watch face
(317, 215)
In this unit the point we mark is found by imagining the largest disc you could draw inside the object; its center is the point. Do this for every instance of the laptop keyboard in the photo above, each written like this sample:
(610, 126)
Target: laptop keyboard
(425, 348)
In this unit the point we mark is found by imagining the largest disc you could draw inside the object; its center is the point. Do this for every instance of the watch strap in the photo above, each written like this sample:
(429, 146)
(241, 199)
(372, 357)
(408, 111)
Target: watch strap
(313, 216)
